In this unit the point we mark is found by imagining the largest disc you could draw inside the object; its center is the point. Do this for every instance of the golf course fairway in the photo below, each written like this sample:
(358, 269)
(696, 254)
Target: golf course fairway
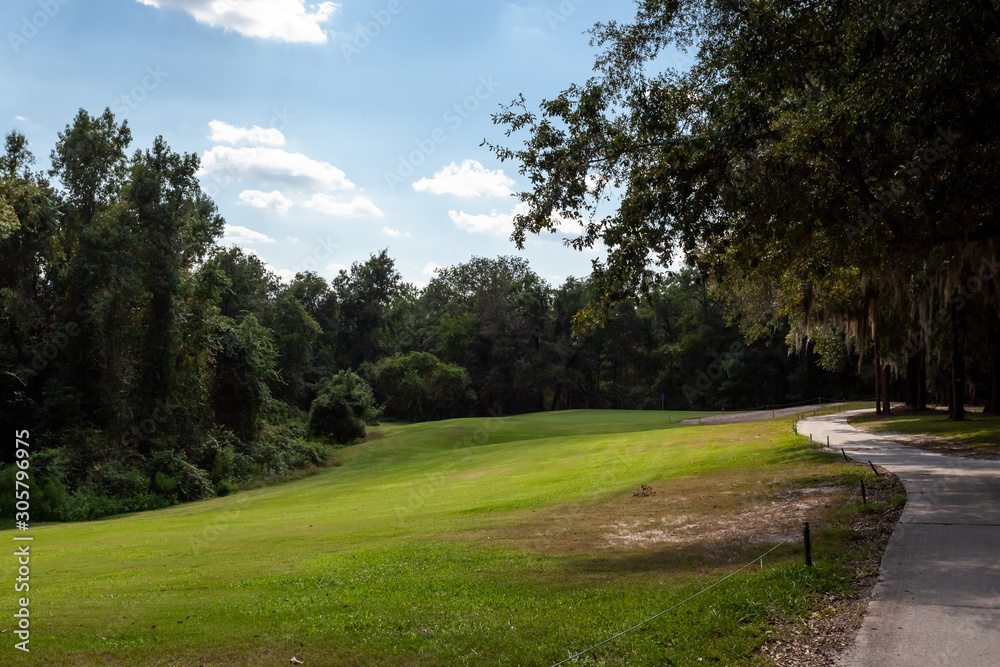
(493, 541)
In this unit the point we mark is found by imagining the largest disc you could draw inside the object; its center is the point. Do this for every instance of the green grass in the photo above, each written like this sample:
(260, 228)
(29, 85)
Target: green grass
(977, 435)
(427, 546)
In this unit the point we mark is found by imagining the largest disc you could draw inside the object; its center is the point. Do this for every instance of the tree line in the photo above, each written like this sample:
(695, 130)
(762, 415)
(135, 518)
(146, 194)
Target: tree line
(154, 365)
(828, 165)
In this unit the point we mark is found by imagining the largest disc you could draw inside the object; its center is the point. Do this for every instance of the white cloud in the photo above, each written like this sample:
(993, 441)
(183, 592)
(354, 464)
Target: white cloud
(291, 239)
(21, 118)
(470, 179)
(359, 207)
(431, 269)
(502, 224)
(244, 236)
(272, 200)
(286, 275)
(525, 22)
(395, 233)
(272, 164)
(283, 20)
(336, 268)
(259, 136)
(568, 226)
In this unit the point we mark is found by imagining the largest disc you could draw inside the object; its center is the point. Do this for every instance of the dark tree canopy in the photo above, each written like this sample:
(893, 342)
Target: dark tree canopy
(831, 163)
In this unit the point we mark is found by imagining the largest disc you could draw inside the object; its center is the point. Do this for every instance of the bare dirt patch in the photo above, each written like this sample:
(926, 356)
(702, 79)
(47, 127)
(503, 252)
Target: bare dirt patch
(759, 520)
(681, 522)
(722, 519)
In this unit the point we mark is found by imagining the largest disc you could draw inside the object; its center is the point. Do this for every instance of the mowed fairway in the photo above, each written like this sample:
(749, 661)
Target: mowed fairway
(474, 541)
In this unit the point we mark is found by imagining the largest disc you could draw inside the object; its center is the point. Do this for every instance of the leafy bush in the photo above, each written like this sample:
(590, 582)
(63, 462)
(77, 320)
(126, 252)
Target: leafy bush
(49, 500)
(176, 479)
(342, 410)
(244, 362)
(87, 504)
(216, 454)
(420, 387)
(225, 487)
(78, 447)
(110, 479)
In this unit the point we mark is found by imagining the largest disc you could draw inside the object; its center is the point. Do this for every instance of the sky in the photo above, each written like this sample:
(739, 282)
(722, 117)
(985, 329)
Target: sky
(326, 131)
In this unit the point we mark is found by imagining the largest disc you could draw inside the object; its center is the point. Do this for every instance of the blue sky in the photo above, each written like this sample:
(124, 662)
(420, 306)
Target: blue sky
(327, 131)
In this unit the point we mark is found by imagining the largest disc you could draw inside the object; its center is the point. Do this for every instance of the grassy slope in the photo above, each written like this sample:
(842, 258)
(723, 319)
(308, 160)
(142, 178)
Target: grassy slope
(378, 561)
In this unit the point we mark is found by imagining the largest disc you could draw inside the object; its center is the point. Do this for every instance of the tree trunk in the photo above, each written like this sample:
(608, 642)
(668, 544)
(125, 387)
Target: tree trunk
(878, 383)
(912, 380)
(886, 374)
(946, 385)
(922, 383)
(993, 403)
(957, 370)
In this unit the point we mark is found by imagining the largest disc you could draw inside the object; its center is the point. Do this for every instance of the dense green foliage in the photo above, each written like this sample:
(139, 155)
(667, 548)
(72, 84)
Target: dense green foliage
(419, 387)
(154, 366)
(832, 165)
(343, 409)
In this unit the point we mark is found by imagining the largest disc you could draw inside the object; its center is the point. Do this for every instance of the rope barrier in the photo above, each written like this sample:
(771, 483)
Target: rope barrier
(688, 599)
(704, 590)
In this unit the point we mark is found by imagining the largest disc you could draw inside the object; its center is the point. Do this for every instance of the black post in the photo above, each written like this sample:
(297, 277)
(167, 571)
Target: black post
(808, 543)
(877, 473)
(864, 496)
(845, 455)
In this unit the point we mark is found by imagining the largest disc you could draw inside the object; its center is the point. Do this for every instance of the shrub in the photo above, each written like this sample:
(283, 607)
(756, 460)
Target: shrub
(343, 408)
(110, 479)
(175, 478)
(87, 504)
(420, 387)
(225, 487)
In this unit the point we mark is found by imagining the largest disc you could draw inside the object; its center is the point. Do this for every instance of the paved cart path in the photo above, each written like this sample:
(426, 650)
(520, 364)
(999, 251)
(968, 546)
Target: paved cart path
(937, 600)
(757, 415)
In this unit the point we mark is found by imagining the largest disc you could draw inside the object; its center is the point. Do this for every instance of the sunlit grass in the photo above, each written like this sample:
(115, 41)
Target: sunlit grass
(384, 560)
(981, 434)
